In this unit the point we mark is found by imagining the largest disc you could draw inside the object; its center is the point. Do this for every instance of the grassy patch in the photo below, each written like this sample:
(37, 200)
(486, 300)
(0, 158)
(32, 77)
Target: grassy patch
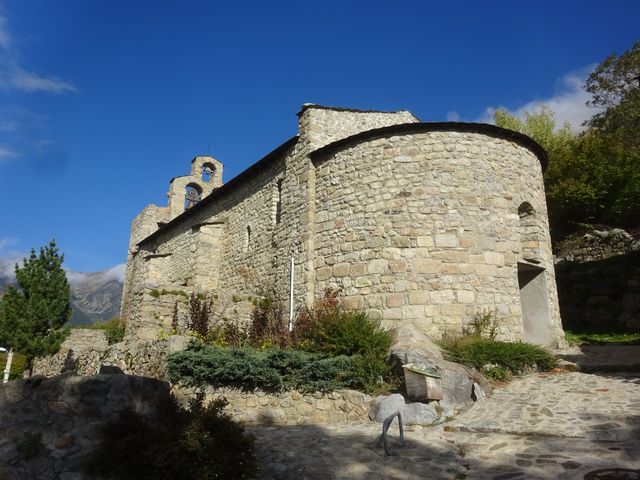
(498, 360)
(17, 365)
(601, 338)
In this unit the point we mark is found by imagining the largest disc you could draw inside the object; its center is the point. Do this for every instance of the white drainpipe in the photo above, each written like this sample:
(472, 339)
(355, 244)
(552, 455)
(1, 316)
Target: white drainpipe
(292, 274)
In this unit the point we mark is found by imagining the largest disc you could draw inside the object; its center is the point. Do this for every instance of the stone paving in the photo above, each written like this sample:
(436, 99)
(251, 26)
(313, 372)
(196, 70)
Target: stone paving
(559, 425)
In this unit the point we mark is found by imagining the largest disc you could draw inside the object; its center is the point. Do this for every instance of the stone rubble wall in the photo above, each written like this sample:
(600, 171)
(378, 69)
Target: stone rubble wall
(287, 408)
(68, 411)
(425, 228)
(598, 245)
(85, 351)
(601, 287)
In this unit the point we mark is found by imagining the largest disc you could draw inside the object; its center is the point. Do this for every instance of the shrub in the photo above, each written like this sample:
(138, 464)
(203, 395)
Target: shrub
(268, 325)
(350, 333)
(483, 325)
(113, 328)
(200, 307)
(328, 329)
(274, 369)
(498, 360)
(203, 443)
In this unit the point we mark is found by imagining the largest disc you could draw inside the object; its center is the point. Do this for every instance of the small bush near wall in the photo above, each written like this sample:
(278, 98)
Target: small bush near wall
(113, 329)
(328, 349)
(271, 370)
(477, 348)
(200, 444)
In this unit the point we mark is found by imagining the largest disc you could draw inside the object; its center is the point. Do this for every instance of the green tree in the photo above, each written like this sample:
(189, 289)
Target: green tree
(615, 87)
(567, 193)
(34, 316)
(592, 178)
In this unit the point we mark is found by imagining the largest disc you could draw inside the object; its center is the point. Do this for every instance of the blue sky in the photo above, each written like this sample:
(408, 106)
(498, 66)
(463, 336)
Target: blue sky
(103, 101)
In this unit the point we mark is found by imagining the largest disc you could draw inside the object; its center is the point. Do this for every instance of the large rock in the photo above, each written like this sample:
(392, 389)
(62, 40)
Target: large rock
(461, 386)
(413, 413)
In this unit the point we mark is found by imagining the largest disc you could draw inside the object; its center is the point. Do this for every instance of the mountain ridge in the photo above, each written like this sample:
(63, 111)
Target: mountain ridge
(95, 296)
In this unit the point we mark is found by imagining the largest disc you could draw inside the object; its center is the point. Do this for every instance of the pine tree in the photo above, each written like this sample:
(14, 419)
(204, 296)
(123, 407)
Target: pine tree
(34, 316)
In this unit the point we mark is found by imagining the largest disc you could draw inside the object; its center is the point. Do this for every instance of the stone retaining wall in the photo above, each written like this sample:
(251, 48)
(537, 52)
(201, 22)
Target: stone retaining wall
(602, 294)
(287, 408)
(68, 411)
(598, 245)
(85, 351)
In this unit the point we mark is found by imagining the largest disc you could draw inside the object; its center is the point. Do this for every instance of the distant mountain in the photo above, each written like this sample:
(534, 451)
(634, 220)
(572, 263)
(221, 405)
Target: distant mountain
(95, 296)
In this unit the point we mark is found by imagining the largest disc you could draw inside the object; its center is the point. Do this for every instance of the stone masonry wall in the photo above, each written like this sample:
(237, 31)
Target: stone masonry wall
(429, 227)
(253, 254)
(599, 281)
(85, 351)
(425, 228)
(287, 408)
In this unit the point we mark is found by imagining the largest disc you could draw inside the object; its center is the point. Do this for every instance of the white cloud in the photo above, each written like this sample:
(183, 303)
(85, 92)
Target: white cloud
(7, 155)
(5, 38)
(113, 273)
(9, 258)
(568, 103)
(15, 77)
(117, 272)
(20, 79)
(453, 116)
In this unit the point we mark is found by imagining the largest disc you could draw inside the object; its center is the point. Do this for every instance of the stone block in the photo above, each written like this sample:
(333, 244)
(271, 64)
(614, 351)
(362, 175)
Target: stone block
(354, 302)
(397, 266)
(323, 273)
(418, 297)
(341, 269)
(443, 296)
(393, 300)
(446, 240)
(377, 266)
(428, 266)
(465, 296)
(412, 311)
(494, 258)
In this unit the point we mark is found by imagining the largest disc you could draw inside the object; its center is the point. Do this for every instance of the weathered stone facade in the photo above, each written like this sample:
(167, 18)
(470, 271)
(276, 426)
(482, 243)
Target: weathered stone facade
(431, 223)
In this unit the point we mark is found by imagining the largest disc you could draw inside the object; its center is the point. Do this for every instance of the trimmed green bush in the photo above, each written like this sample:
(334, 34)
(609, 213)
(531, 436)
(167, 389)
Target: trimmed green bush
(271, 370)
(200, 444)
(498, 360)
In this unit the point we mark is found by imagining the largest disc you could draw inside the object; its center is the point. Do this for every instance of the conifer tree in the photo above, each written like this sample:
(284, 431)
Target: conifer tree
(34, 316)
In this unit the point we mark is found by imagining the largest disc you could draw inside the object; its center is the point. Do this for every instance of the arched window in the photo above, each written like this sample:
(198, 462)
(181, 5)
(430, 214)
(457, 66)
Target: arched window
(193, 194)
(525, 209)
(208, 172)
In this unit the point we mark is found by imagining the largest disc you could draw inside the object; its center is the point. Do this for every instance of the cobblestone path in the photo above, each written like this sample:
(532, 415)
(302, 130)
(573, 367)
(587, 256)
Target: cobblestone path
(543, 426)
